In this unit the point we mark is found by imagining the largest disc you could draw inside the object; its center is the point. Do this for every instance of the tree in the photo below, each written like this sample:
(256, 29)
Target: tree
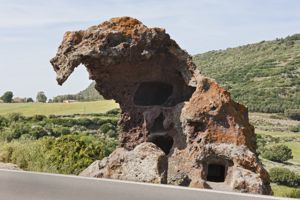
(7, 97)
(41, 97)
(28, 100)
(277, 153)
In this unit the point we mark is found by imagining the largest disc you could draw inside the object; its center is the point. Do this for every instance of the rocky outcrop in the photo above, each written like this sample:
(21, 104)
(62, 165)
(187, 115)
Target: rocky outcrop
(200, 137)
(145, 163)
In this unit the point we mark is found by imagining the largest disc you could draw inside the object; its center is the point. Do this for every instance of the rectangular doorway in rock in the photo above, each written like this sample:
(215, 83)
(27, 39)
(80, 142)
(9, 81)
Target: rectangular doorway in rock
(152, 93)
(216, 173)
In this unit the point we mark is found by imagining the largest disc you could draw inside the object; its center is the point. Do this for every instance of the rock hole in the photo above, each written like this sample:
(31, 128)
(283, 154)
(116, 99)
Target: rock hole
(198, 126)
(152, 93)
(158, 124)
(216, 173)
(163, 141)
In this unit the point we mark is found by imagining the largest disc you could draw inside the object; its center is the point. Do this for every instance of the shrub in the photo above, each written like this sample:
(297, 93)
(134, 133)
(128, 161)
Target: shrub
(293, 114)
(284, 176)
(84, 122)
(277, 153)
(115, 111)
(68, 154)
(59, 131)
(71, 154)
(38, 132)
(14, 132)
(3, 122)
(14, 117)
(295, 128)
(39, 117)
(105, 127)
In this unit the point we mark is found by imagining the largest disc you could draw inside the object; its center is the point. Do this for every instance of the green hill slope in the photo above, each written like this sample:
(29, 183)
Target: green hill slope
(264, 76)
(88, 94)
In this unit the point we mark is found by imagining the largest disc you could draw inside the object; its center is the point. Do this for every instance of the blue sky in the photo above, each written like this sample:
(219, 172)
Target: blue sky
(31, 30)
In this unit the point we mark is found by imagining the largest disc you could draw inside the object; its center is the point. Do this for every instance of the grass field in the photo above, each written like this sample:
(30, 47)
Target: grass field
(29, 109)
(295, 146)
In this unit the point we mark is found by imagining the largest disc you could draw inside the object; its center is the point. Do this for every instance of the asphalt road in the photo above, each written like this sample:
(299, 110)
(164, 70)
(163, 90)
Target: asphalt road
(18, 185)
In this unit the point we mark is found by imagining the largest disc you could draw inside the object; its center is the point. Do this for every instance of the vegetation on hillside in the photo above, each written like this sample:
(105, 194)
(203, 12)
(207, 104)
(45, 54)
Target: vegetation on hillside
(264, 76)
(273, 133)
(88, 94)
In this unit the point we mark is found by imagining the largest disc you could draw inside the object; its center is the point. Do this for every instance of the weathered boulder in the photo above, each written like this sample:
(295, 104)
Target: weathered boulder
(145, 163)
(205, 137)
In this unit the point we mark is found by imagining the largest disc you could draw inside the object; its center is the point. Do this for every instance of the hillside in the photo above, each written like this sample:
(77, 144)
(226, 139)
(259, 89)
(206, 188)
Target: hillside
(88, 94)
(264, 76)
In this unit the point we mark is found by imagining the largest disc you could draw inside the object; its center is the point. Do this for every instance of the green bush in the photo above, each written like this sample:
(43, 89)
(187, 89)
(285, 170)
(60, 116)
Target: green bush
(277, 153)
(72, 153)
(58, 144)
(37, 132)
(14, 117)
(68, 154)
(284, 176)
(104, 128)
(115, 111)
(39, 117)
(14, 132)
(293, 114)
(59, 131)
(3, 122)
(295, 128)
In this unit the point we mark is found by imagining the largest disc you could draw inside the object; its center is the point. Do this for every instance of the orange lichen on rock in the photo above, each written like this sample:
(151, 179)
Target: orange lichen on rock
(178, 127)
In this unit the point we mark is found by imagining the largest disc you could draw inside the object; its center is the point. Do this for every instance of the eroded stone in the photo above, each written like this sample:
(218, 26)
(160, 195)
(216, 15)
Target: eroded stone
(204, 136)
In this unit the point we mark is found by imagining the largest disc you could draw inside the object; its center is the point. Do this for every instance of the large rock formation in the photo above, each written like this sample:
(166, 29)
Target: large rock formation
(178, 127)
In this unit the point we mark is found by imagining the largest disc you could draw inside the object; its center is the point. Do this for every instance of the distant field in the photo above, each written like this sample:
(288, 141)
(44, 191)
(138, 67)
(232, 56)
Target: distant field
(29, 109)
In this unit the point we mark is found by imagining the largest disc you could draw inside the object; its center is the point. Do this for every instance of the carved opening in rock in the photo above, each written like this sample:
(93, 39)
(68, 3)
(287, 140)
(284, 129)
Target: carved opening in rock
(158, 125)
(163, 141)
(152, 93)
(216, 173)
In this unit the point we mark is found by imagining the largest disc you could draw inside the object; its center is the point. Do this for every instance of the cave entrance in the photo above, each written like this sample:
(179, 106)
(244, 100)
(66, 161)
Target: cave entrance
(163, 141)
(158, 125)
(216, 173)
(152, 93)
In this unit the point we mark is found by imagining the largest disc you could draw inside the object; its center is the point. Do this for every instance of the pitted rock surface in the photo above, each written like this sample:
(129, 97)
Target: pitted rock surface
(203, 137)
